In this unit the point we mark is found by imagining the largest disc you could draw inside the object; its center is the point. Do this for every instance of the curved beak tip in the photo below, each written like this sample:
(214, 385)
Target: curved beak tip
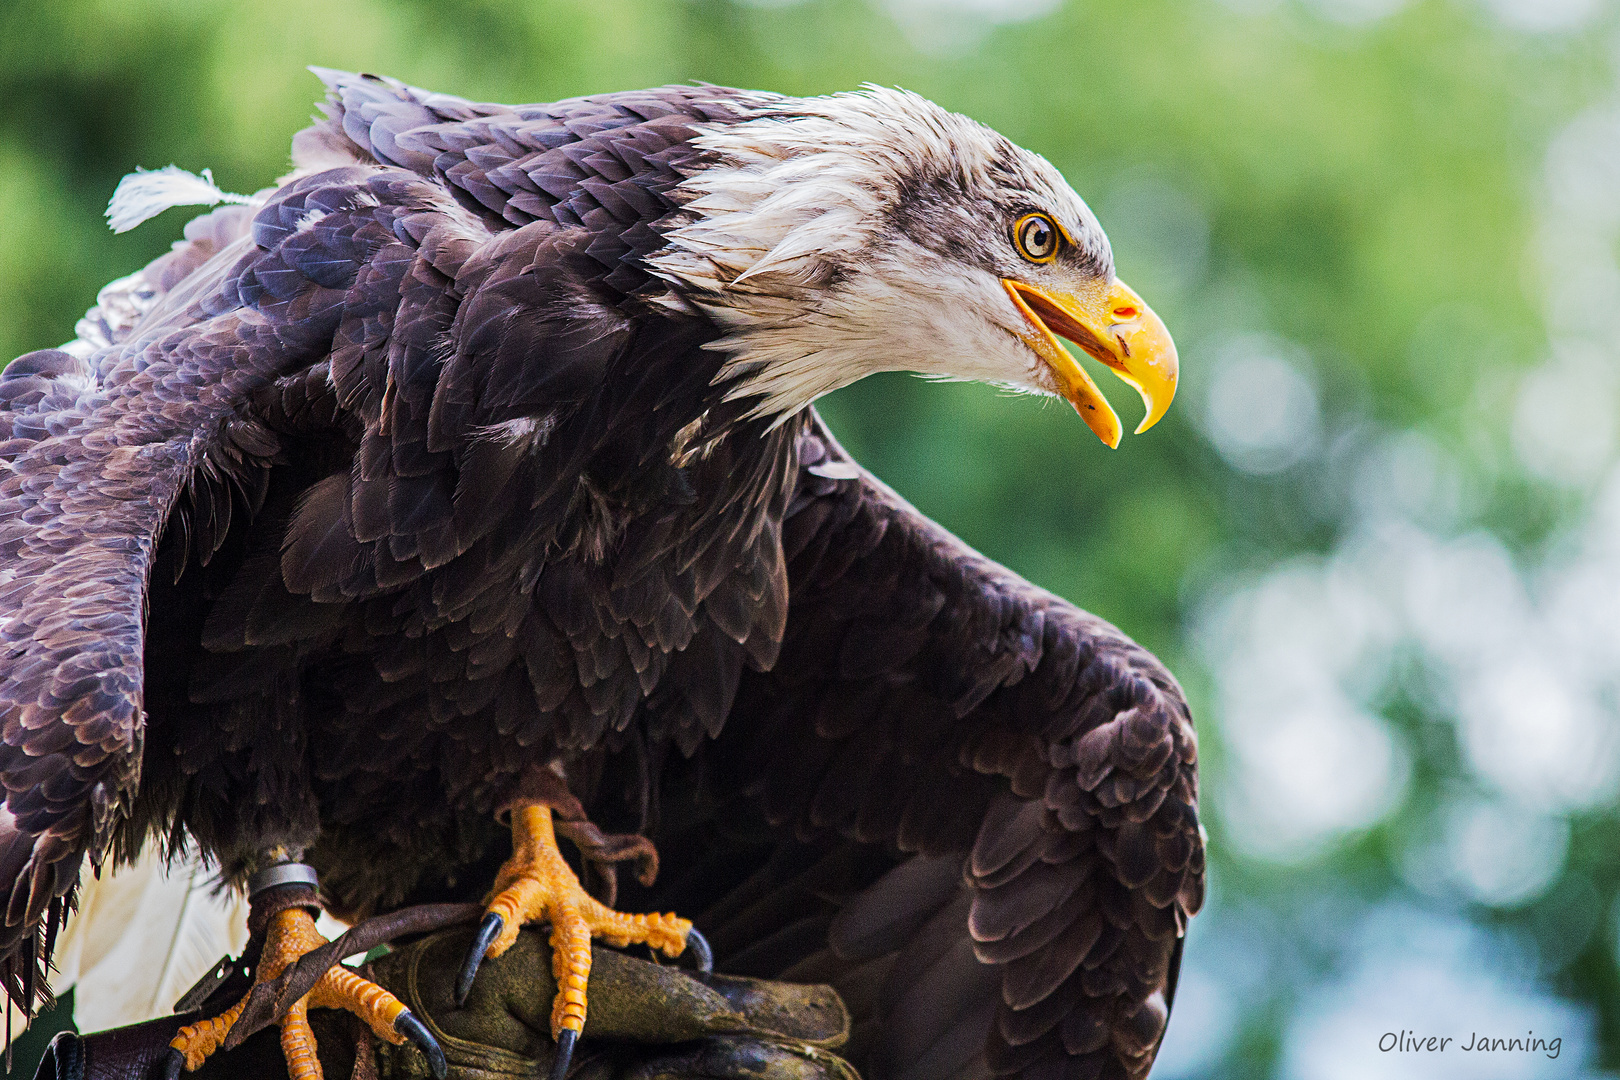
(1141, 352)
(1117, 328)
(1157, 396)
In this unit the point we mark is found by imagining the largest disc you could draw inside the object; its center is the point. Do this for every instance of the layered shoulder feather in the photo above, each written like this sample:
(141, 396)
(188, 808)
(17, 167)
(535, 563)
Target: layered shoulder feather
(1031, 769)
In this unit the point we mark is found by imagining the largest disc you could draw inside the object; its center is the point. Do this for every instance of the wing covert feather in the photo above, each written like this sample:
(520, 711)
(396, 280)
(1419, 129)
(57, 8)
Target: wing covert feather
(1042, 763)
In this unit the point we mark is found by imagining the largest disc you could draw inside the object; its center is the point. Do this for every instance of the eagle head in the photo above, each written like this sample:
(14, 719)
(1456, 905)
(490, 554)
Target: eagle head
(872, 231)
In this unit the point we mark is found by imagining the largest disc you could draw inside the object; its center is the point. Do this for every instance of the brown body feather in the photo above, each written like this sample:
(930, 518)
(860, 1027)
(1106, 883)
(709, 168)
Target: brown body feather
(398, 485)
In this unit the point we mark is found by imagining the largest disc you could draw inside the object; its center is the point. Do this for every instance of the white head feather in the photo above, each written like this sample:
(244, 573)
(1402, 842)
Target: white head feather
(834, 237)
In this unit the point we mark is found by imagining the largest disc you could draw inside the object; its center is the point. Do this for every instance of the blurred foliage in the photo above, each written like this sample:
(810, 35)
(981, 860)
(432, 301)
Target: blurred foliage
(1366, 192)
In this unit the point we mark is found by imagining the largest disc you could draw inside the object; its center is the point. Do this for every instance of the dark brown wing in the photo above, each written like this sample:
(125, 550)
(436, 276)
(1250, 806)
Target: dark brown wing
(97, 445)
(1034, 769)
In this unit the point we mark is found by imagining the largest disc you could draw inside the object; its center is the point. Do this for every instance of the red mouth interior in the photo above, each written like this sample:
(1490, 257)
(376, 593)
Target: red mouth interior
(1065, 325)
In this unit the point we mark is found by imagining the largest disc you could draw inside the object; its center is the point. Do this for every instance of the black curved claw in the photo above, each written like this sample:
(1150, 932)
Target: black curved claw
(698, 946)
(565, 1053)
(410, 1027)
(488, 931)
(170, 1064)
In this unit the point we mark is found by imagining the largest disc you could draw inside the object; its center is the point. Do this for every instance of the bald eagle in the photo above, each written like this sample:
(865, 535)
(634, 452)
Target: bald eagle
(464, 490)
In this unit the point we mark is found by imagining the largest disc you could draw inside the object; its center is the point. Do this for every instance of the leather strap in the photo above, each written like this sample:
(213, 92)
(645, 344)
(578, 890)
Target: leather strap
(64, 1059)
(272, 901)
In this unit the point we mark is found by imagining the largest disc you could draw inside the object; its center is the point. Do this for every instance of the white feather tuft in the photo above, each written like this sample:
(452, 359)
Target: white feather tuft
(145, 194)
(142, 936)
(525, 432)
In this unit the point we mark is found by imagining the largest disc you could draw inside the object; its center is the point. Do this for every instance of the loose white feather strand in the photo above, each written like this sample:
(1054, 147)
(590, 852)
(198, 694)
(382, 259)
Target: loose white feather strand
(146, 193)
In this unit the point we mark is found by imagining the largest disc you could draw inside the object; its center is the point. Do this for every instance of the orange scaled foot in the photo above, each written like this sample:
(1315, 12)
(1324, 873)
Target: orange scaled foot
(290, 935)
(536, 885)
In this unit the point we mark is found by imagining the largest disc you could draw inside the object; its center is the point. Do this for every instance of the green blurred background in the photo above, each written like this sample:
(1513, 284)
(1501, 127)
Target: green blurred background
(1378, 537)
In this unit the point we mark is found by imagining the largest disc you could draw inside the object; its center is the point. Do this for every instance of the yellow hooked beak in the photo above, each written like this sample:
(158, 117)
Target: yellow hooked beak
(1112, 324)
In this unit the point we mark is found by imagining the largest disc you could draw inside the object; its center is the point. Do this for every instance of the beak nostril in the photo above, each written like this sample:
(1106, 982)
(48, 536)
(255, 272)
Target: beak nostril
(1124, 314)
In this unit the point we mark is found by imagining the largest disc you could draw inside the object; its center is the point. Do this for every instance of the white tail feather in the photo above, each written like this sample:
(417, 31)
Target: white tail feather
(146, 193)
(207, 926)
(142, 937)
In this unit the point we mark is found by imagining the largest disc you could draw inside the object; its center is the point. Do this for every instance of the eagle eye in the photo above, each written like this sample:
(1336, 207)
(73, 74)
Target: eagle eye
(1037, 237)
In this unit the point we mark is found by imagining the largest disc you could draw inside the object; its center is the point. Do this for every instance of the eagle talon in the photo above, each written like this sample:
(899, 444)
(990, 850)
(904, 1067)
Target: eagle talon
(565, 1053)
(488, 931)
(413, 1029)
(292, 935)
(702, 954)
(537, 885)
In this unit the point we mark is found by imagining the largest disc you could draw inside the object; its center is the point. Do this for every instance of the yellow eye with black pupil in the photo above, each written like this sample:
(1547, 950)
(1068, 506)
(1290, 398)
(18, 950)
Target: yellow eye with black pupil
(1037, 237)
